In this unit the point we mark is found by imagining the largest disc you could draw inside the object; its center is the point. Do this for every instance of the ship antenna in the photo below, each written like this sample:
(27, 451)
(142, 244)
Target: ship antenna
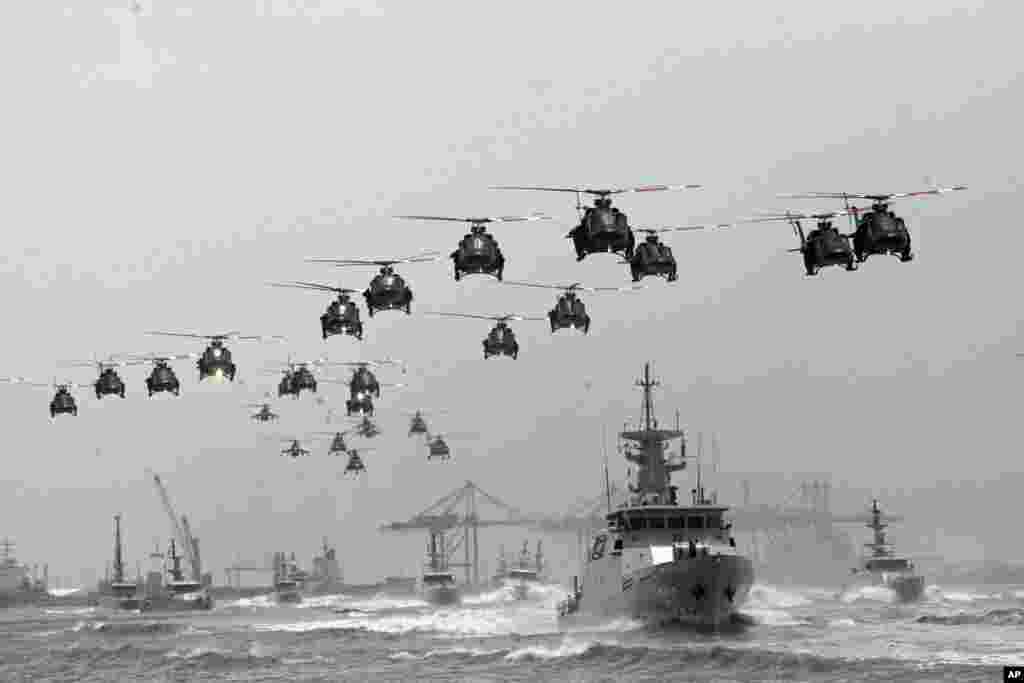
(607, 482)
(700, 452)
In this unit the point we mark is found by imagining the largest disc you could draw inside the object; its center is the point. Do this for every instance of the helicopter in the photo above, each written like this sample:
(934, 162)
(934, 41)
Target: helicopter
(366, 429)
(388, 291)
(265, 414)
(109, 383)
(478, 251)
(342, 314)
(569, 310)
(438, 448)
(355, 465)
(215, 360)
(877, 230)
(501, 340)
(338, 445)
(363, 380)
(652, 257)
(360, 403)
(295, 449)
(418, 425)
(62, 403)
(162, 377)
(602, 228)
(821, 247)
(297, 376)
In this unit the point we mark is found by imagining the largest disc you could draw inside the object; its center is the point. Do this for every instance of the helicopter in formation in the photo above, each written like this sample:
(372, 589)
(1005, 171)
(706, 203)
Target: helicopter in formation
(63, 401)
(297, 377)
(501, 340)
(355, 465)
(265, 414)
(653, 257)
(387, 291)
(338, 445)
(569, 310)
(216, 360)
(108, 383)
(364, 381)
(877, 230)
(295, 448)
(417, 424)
(162, 377)
(478, 251)
(602, 227)
(342, 314)
(366, 428)
(823, 246)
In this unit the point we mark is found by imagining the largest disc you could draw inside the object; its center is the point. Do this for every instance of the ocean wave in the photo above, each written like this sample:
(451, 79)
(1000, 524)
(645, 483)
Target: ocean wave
(128, 628)
(1010, 616)
(770, 597)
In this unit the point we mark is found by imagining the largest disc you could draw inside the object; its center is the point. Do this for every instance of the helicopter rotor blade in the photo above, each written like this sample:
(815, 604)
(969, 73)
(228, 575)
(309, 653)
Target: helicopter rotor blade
(874, 197)
(312, 286)
(599, 192)
(423, 257)
(686, 228)
(483, 219)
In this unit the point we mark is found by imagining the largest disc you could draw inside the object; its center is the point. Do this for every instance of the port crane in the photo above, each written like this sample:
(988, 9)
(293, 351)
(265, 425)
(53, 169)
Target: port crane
(180, 530)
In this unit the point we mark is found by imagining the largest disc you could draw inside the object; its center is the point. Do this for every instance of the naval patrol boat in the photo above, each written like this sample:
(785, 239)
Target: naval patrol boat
(885, 568)
(660, 561)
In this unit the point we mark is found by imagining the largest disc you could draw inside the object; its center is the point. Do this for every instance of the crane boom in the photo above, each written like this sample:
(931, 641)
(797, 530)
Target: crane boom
(184, 538)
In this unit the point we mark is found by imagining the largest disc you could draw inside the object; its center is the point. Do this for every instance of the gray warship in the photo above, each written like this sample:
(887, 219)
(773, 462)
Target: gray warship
(437, 585)
(885, 568)
(659, 561)
(288, 580)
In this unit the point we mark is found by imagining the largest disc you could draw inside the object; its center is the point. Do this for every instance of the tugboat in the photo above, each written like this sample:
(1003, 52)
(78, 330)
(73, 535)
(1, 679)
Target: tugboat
(885, 567)
(658, 561)
(437, 584)
(287, 580)
(525, 572)
(126, 594)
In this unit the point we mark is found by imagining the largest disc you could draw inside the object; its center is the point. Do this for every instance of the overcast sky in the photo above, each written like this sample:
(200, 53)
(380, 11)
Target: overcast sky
(160, 167)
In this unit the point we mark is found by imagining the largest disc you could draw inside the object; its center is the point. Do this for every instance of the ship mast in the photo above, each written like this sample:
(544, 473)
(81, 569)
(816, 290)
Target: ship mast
(118, 559)
(879, 547)
(653, 470)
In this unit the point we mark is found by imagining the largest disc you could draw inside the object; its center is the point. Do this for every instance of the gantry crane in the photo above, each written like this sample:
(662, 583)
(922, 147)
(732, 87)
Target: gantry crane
(180, 530)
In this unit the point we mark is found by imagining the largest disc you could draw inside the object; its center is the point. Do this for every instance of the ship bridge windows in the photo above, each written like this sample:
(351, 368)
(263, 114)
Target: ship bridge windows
(656, 523)
(695, 522)
(676, 522)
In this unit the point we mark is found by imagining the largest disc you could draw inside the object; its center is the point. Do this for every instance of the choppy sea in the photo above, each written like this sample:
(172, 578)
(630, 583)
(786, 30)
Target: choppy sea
(793, 634)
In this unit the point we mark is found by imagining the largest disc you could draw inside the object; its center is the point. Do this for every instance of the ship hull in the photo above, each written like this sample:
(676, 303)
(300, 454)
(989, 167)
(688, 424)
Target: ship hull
(907, 588)
(288, 597)
(177, 602)
(703, 590)
(442, 595)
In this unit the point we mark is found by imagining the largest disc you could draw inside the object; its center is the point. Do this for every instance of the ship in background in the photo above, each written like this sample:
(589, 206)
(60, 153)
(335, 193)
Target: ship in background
(326, 577)
(288, 579)
(522, 573)
(885, 568)
(437, 584)
(658, 561)
(17, 585)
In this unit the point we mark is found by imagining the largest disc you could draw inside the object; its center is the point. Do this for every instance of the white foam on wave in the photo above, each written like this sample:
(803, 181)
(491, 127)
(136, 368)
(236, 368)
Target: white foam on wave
(255, 601)
(871, 593)
(446, 652)
(770, 597)
(457, 623)
(566, 648)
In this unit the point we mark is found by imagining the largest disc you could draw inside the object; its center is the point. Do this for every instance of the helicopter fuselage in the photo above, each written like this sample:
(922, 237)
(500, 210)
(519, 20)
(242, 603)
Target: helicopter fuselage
(603, 229)
(881, 232)
(364, 381)
(827, 247)
(162, 378)
(501, 342)
(360, 403)
(109, 383)
(63, 403)
(478, 253)
(438, 449)
(651, 257)
(341, 318)
(569, 311)
(388, 292)
(216, 360)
